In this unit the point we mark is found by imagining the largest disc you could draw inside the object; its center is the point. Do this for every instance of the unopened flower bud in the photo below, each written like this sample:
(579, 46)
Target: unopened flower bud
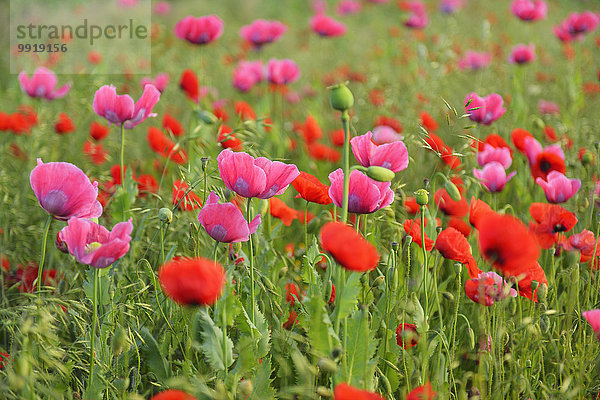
(204, 161)
(448, 296)
(452, 190)
(340, 97)
(165, 215)
(327, 365)
(378, 281)
(542, 293)
(324, 392)
(119, 341)
(587, 158)
(471, 337)
(207, 117)
(380, 174)
(534, 285)
(422, 197)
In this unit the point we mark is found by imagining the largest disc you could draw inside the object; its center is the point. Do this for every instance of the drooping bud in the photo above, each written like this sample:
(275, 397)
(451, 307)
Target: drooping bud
(380, 174)
(422, 197)
(587, 158)
(340, 97)
(165, 215)
(452, 190)
(207, 117)
(327, 365)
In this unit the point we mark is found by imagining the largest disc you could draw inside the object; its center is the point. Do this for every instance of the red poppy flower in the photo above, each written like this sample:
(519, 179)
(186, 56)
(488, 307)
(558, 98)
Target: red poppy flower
(348, 248)
(411, 206)
(96, 152)
(98, 131)
(583, 242)
(435, 142)
(29, 113)
(4, 358)
(428, 122)
(477, 210)
(332, 296)
(546, 162)
(527, 275)
(171, 124)
(163, 146)
(507, 243)
(292, 293)
(64, 124)
(291, 321)
(147, 184)
(282, 211)
(190, 202)
(413, 228)
(389, 121)
(311, 189)
(189, 84)
(337, 137)
(192, 281)
(550, 219)
(310, 130)
(450, 159)
(377, 97)
(244, 111)
(518, 137)
(497, 141)
(115, 173)
(452, 245)
(424, 392)
(220, 113)
(172, 394)
(321, 152)
(343, 391)
(407, 336)
(228, 139)
(450, 207)
(305, 218)
(19, 123)
(25, 276)
(550, 134)
(4, 262)
(460, 225)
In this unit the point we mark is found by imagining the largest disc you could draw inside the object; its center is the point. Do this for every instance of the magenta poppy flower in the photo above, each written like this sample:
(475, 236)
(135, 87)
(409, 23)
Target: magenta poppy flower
(64, 191)
(558, 188)
(493, 176)
(576, 26)
(385, 134)
(326, 26)
(93, 244)
(474, 60)
(484, 110)
(522, 54)
(348, 7)
(282, 72)
(392, 156)
(548, 107)
(528, 10)
(451, 6)
(160, 82)
(247, 74)
(533, 149)
(250, 177)
(365, 195)
(418, 18)
(261, 32)
(120, 109)
(225, 222)
(593, 317)
(201, 30)
(42, 84)
(162, 8)
(491, 153)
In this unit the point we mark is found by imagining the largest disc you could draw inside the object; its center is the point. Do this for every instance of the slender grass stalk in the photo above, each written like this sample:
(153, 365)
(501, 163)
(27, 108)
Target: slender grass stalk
(43, 252)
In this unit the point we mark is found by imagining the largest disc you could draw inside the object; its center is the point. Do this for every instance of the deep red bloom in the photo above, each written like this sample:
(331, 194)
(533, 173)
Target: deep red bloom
(147, 184)
(454, 246)
(189, 84)
(550, 219)
(507, 243)
(98, 131)
(411, 206)
(95, 151)
(192, 281)
(337, 137)
(343, 391)
(448, 206)
(172, 394)
(64, 124)
(428, 122)
(389, 121)
(171, 124)
(292, 293)
(19, 123)
(228, 139)
(4, 358)
(311, 189)
(310, 130)
(291, 321)
(305, 218)
(244, 111)
(25, 276)
(282, 211)
(424, 392)
(191, 200)
(348, 248)
(518, 136)
(321, 152)
(413, 228)
(407, 336)
(477, 210)
(220, 113)
(460, 225)
(550, 134)
(163, 146)
(546, 162)
(528, 274)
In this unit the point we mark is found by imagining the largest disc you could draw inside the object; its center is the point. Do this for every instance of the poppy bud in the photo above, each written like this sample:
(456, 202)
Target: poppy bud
(539, 123)
(207, 117)
(380, 174)
(587, 158)
(324, 392)
(471, 337)
(422, 197)
(534, 285)
(204, 161)
(572, 258)
(165, 215)
(448, 296)
(119, 342)
(340, 97)
(542, 293)
(452, 190)
(378, 281)
(327, 365)
(395, 246)
(246, 387)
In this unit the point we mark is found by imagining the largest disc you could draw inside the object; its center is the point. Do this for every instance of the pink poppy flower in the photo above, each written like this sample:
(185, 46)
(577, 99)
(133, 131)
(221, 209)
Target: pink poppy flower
(201, 30)
(418, 18)
(160, 82)
(225, 222)
(64, 191)
(348, 7)
(120, 109)
(533, 149)
(451, 6)
(365, 195)
(326, 26)
(593, 317)
(282, 72)
(42, 84)
(522, 54)
(493, 176)
(385, 134)
(548, 107)
(93, 244)
(393, 156)
(484, 110)
(487, 288)
(474, 60)
(528, 10)
(576, 26)
(261, 32)
(491, 153)
(247, 74)
(558, 188)
(250, 177)
(162, 8)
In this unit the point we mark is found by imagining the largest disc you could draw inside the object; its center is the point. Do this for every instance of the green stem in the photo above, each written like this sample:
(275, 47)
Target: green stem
(251, 257)
(346, 165)
(425, 263)
(122, 155)
(43, 252)
(204, 197)
(306, 227)
(94, 323)
(459, 290)
(162, 245)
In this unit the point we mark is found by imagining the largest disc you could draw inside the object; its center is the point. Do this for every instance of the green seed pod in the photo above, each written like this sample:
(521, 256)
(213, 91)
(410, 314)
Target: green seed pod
(448, 296)
(452, 190)
(340, 97)
(378, 281)
(327, 365)
(263, 207)
(513, 306)
(422, 197)
(471, 337)
(120, 341)
(587, 158)
(542, 293)
(539, 123)
(207, 117)
(165, 215)
(534, 285)
(380, 174)
(246, 387)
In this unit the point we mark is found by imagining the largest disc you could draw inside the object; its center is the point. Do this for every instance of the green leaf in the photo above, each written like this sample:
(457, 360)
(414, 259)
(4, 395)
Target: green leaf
(348, 297)
(360, 348)
(218, 357)
(124, 198)
(321, 335)
(154, 360)
(262, 382)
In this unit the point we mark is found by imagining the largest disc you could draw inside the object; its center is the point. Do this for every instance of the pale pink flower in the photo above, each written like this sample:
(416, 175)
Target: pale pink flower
(160, 82)
(522, 54)
(282, 72)
(528, 10)
(558, 188)
(42, 84)
(120, 109)
(385, 134)
(261, 32)
(484, 110)
(326, 26)
(225, 222)
(593, 317)
(474, 60)
(491, 153)
(365, 195)
(201, 30)
(493, 176)
(393, 156)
